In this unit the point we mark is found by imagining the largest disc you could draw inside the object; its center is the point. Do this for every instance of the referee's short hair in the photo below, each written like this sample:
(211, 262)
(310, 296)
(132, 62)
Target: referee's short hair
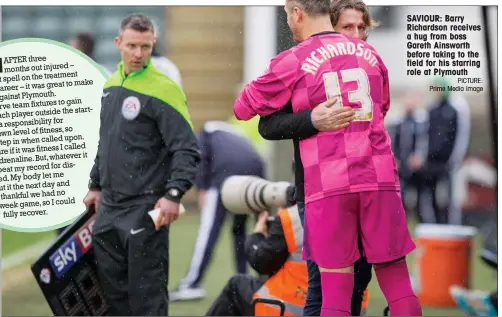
(312, 7)
(137, 22)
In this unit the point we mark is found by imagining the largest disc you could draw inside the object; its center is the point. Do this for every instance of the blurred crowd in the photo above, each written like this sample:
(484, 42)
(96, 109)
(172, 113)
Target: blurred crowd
(430, 144)
(439, 182)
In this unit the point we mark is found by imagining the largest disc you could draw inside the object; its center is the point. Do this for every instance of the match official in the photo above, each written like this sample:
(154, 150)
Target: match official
(147, 158)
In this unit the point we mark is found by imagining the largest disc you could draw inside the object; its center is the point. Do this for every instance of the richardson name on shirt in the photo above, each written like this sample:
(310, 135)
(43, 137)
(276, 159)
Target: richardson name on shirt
(326, 52)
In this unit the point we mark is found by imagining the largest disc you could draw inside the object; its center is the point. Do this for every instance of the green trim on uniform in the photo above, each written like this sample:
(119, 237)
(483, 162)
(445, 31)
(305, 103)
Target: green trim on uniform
(113, 80)
(443, 83)
(151, 82)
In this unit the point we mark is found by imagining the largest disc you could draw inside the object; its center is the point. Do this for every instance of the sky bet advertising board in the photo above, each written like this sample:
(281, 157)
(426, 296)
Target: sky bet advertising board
(66, 272)
(72, 250)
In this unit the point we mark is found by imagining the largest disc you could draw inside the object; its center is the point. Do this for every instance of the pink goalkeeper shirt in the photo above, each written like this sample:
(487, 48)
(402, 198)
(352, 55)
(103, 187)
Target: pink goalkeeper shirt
(357, 158)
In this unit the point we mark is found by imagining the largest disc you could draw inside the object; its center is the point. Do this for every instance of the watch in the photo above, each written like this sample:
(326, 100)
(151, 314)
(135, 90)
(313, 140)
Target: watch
(175, 193)
(93, 184)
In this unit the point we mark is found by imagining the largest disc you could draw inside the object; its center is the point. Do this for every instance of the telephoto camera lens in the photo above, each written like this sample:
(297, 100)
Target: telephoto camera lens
(251, 194)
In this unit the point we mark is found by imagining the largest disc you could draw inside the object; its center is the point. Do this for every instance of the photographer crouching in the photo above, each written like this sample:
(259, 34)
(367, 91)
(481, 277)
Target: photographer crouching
(274, 250)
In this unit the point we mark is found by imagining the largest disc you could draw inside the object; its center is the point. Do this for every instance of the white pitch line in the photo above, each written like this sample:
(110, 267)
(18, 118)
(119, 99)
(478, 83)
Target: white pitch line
(30, 253)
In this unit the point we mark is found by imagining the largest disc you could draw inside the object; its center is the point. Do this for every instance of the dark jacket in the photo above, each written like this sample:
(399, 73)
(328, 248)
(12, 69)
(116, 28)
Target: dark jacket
(146, 141)
(449, 135)
(285, 125)
(268, 254)
(409, 137)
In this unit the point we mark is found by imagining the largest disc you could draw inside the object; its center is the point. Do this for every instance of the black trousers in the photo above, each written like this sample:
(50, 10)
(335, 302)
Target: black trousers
(212, 220)
(236, 297)
(132, 260)
(432, 210)
(415, 181)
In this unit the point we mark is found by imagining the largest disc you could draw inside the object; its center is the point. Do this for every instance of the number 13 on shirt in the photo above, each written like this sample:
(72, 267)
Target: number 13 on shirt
(360, 95)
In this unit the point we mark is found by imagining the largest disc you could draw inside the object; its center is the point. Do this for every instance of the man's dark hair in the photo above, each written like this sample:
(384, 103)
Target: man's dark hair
(338, 6)
(85, 42)
(138, 22)
(312, 7)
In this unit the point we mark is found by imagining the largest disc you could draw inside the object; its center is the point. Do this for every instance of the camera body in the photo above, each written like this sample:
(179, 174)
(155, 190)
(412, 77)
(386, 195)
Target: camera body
(252, 194)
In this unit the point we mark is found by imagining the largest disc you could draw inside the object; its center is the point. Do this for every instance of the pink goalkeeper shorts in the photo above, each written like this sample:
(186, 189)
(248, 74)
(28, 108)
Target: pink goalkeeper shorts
(334, 224)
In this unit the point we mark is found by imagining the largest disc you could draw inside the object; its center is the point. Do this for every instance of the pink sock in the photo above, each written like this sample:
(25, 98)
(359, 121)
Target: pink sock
(336, 293)
(395, 283)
